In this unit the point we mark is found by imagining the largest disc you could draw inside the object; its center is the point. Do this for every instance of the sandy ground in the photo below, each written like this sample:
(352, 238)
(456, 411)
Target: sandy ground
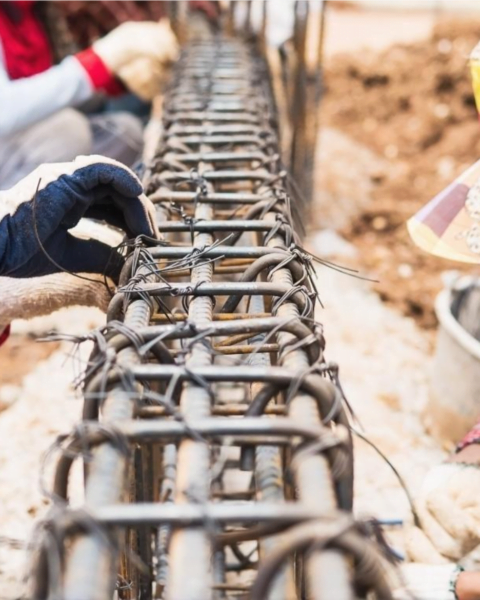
(384, 368)
(411, 106)
(44, 404)
(356, 30)
(384, 357)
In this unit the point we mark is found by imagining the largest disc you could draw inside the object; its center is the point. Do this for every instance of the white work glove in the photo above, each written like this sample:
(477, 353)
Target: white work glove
(449, 511)
(427, 582)
(143, 77)
(134, 40)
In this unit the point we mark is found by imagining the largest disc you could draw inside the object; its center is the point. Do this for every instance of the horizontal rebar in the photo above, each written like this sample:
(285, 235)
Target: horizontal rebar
(188, 515)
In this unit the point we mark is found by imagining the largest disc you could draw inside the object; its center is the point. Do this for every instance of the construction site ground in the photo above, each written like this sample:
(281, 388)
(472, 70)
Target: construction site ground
(398, 123)
(401, 124)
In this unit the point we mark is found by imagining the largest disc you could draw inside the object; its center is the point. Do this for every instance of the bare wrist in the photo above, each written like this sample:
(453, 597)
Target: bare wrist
(468, 586)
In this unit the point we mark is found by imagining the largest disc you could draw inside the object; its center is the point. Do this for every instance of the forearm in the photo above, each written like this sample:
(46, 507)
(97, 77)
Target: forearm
(38, 296)
(27, 101)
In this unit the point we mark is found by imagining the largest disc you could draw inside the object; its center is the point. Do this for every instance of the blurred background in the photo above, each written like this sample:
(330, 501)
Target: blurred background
(398, 91)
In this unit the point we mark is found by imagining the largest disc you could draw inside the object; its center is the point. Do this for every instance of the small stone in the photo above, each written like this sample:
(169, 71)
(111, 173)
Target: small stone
(391, 399)
(405, 271)
(442, 111)
(446, 167)
(379, 223)
(9, 394)
(444, 46)
(391, 151)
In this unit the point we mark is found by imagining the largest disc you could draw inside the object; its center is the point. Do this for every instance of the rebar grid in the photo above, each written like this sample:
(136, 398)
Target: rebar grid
(217, 449)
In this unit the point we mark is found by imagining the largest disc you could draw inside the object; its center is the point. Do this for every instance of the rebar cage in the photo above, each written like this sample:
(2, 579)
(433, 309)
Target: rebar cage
(217, 448)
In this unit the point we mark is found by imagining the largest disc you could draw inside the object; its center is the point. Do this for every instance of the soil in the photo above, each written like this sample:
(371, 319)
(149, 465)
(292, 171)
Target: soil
(413, 106)
(19, 354)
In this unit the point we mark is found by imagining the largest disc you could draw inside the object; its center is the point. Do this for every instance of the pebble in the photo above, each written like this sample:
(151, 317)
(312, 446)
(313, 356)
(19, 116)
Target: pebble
(9, 394)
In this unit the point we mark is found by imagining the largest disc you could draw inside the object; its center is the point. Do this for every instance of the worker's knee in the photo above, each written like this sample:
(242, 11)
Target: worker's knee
(60, 138)
(130, 126)
(65, 135)
(118, 135)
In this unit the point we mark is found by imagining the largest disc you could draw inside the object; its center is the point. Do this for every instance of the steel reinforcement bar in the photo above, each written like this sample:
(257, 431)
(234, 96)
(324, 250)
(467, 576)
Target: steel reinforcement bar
(217, 452)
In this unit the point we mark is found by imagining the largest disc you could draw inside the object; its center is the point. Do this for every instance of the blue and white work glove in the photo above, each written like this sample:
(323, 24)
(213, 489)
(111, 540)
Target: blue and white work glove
(38, 214)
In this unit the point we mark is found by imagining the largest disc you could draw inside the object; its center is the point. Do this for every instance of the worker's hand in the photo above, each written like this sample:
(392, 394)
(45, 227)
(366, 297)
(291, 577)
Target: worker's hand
(143, 77)
(427, 582)
(133, 40)
(449, 511)
(37, 214)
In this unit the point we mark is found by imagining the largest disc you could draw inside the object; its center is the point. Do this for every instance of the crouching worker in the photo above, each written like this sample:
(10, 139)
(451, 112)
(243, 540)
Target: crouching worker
(39, 122)
(51, 254)
(448, 509)
(448, 506)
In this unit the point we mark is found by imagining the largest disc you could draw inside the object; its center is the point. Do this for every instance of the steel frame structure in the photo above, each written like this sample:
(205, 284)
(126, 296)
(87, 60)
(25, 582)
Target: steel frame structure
(217, 451)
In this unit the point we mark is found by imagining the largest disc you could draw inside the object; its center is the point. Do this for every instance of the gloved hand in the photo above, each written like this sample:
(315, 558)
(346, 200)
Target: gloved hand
(37, 214)
(449, 512)
(143, 77)
(427, 582)
(133, 40)
(40, 296)
(115, 55)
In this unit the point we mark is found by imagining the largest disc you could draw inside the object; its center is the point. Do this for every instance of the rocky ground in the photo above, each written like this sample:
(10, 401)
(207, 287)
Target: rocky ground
(411, 110)
(39, 403)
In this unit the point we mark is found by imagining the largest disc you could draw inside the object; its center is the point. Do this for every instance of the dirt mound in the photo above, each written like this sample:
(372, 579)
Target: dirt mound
(414, 106)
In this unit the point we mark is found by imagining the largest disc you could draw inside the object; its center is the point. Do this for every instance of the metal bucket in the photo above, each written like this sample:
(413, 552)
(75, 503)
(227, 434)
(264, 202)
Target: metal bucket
(454, 403)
